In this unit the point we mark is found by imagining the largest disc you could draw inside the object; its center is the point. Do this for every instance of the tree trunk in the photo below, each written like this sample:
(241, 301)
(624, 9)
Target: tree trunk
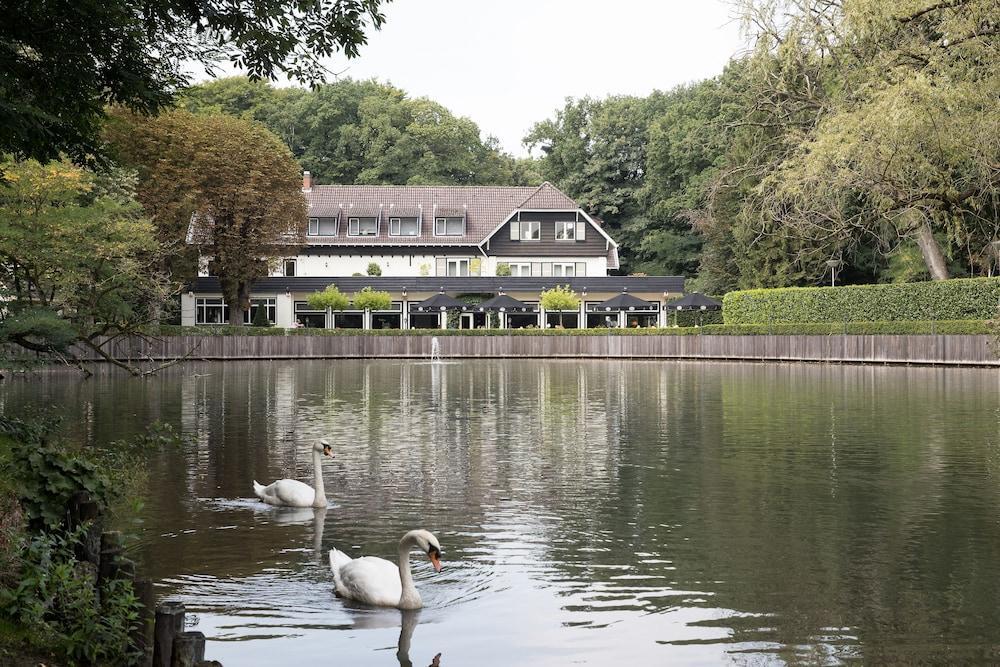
(240, 304)
(931, 251)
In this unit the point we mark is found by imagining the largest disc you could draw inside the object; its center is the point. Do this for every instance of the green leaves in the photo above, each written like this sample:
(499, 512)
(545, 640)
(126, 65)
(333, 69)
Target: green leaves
(331, 298)
(960, 299)
(371, 299)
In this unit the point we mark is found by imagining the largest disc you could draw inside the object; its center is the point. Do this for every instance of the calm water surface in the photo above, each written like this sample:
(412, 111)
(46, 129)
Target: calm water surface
(591, 513)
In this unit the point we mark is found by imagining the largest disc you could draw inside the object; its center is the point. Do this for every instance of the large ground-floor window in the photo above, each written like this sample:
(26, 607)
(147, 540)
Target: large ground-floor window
(425, 321)
(211, 310)
(388, 319)
(598, 320)
(349, 319)
(382, 320)
(309, 318)
(268, 303)
(570, 319)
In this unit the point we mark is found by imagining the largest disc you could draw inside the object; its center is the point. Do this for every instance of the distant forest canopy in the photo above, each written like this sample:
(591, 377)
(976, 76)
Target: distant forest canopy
(367, 132)
(861, 137)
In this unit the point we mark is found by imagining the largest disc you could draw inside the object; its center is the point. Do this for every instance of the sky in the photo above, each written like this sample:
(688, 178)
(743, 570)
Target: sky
(509, 64)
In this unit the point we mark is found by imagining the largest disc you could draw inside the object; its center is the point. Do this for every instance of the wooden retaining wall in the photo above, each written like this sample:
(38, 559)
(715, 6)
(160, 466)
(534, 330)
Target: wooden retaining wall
(881, 349)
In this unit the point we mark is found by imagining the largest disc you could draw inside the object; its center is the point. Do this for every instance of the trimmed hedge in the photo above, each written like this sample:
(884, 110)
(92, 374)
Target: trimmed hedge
(968, 327)
(959, 299)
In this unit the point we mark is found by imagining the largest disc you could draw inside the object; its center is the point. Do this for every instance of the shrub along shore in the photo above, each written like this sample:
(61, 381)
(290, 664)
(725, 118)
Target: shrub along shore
(931, 327)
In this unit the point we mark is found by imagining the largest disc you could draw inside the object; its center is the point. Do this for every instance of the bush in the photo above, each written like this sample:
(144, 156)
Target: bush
(260, 317)
(503, 269)
(689, 318)
(960, 299)
(967, 327)
(374, 269)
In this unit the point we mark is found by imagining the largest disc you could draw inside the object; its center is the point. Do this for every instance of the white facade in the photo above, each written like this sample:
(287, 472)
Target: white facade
(312, 266)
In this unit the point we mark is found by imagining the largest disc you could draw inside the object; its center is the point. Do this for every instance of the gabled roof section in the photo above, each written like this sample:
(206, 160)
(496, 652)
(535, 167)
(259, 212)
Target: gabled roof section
(548, 197)
(484, 207)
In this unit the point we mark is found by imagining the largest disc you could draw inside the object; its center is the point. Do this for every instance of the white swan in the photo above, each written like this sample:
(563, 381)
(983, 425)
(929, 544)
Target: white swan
(378, 582)
(293, 493)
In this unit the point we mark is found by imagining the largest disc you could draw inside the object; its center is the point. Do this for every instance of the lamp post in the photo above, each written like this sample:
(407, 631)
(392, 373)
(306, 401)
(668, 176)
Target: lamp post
(833, 264)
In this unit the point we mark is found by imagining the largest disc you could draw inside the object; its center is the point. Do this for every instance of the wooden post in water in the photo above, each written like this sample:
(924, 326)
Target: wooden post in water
(83, 510)
(189, 649)
(143, 590)
(169, 623)
(111, 549)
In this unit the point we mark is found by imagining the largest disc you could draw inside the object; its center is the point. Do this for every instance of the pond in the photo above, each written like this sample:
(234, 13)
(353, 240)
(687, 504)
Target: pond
(590, 513)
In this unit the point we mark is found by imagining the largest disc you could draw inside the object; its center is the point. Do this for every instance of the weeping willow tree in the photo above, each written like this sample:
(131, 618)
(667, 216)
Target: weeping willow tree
(879, 124)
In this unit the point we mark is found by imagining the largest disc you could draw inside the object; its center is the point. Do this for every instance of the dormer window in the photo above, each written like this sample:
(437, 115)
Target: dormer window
(449, 226)
(403, 227)
(322, 227)
(362, 226)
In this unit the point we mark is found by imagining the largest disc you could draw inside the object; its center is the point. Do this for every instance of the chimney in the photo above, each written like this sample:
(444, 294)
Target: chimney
(307, 182)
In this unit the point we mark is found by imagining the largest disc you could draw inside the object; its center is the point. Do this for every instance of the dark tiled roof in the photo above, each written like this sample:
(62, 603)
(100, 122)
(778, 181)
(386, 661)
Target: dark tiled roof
(484, 207)
(458, 285)
(403, 211)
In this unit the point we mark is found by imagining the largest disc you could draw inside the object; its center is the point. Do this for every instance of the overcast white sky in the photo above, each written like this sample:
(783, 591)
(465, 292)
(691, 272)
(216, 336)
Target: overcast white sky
(509, 64)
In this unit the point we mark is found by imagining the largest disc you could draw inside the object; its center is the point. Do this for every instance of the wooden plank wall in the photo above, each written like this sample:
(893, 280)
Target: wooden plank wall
(882, 349)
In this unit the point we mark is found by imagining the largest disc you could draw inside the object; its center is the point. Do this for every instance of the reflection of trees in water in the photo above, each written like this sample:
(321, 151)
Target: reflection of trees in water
(836, 500)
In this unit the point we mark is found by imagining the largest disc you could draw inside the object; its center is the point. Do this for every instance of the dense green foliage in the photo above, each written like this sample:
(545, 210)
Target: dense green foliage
(865, 134)
(61, 63)
(50, 600)
(959, 299)
(331, 298)
(366, 132)
(77, 258)
(372, 299)
(229, 180)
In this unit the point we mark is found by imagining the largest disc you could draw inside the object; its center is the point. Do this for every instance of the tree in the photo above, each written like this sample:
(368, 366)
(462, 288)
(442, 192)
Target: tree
(369, 299)
(63, 63)
(231, 180)
(374, 269)
(260, 318)
(884, 118)
(367, 132)
(77, 260)
(559, 298)
(331, 298)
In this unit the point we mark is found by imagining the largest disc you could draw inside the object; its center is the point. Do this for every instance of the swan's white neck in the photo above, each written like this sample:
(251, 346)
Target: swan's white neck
(410, 598)
(319, 500)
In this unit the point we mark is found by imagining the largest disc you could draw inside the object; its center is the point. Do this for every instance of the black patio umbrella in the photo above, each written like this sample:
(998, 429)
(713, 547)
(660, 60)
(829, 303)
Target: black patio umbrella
(503, 303)
(439, 302)
(622, 302)
(694, 301)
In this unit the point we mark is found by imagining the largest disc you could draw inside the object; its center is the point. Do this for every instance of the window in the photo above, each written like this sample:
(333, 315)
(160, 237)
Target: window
(449, 226)
(565, 231)
(211, 311)
(322, 226)
(531, 231)
(403, 227)
(288, 268)
(362, 226)
(458, 267)
(306, 317)
(564, 270)
(267, 303)
(521, 270)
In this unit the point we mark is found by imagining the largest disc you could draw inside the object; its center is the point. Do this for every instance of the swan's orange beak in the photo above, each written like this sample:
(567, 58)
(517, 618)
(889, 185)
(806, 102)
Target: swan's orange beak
(435, 561)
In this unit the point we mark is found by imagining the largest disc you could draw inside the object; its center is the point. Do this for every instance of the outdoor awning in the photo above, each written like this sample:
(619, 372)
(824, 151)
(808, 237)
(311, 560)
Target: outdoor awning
(437, 303)
(622, 302)
(694, 301)
(505, 303)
